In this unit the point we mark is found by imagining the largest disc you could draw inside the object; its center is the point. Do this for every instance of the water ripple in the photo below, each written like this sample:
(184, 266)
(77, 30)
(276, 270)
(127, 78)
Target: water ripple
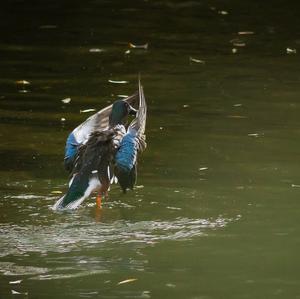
(19, 240)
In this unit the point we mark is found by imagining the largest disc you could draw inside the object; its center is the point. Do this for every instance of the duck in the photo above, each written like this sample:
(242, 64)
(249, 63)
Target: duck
(104, 149)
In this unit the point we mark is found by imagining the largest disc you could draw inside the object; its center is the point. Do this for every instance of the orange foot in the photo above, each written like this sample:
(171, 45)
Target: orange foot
(99, 201)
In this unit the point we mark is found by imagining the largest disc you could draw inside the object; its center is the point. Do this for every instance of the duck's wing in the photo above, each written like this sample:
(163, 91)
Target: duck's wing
(138, 125)
(132, 143)
(99, 121)
(90, 170)
(79, 136)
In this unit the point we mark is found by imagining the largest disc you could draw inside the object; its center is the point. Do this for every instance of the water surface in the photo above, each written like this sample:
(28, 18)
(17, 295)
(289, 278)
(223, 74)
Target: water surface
(215, 213)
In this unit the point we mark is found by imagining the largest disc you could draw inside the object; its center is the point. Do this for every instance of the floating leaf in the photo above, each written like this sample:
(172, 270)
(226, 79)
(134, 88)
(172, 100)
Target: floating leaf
(139, 186)
(171, 285)
(118, 82)
(23, 91)
(240, 45)
(291, 51)
(173, 208)
(295, 186)
(237, 116)
(24, 82)
(197, 60)
(127, 281)
(66, 100)
(18, 293)
(96, 50)
(133, 46)
(48, 27)
(87, 110)
(56, 192)
(245, 32)
(253, 135)
(15, 282)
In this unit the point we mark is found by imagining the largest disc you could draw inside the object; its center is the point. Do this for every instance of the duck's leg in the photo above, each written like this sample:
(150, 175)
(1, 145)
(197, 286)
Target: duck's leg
(102, 194)
(99, 200)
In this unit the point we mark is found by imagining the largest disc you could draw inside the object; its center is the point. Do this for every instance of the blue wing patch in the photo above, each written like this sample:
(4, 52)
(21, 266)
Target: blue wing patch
(127, 152)
(70, 151)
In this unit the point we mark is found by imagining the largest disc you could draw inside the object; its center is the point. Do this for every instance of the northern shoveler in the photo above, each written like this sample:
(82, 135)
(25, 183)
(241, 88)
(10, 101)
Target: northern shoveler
(104, 148)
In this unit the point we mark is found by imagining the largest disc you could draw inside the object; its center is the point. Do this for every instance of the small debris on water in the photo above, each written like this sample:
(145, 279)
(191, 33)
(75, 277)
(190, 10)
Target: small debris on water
(295, 186)
(127, 52)
(202, 168)
(291, 51)
(56, 192)
(127, 281)
(87, 110)
(238, 105)
(96, 50)
(122, 96)
(63, 119)
(186, 106)
(48, 27)
(240, 187)
(234, 50)
(118, 81)
(139, 187)
(173, 208)
(237, 116)
(134, 46)
(161, 128)
(239, 45)
(15, 292)
(66, 100)
(18, 293)
(23, 91)
(171, 285)
(223, 12)
(254, 134)
(176, 191)
(245, 32)
(197, 60)
(15, 282)
(24, 82)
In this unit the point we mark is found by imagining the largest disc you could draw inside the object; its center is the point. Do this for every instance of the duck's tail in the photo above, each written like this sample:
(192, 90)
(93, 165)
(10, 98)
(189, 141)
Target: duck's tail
(91, 165)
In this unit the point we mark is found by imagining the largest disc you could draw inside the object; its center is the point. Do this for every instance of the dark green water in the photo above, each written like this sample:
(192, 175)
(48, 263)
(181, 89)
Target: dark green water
(216, 213)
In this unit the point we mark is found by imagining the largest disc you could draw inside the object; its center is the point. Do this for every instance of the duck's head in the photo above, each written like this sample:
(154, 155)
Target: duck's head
(120, 111)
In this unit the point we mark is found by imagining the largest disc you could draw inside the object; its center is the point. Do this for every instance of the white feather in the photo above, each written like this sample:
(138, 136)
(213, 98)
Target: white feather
(94, 185)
